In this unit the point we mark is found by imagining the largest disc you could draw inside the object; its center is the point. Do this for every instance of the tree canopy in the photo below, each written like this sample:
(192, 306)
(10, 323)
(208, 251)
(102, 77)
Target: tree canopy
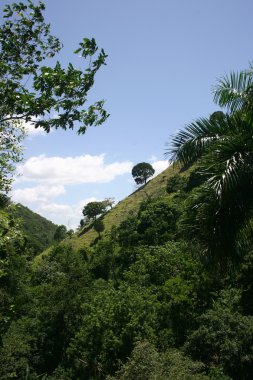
(221, 147)
(142, 171)
(47, 96)
(93, 209)
(60, 233)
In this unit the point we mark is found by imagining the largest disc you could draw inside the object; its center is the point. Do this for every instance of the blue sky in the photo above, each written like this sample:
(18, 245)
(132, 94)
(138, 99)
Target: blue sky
(164, 57)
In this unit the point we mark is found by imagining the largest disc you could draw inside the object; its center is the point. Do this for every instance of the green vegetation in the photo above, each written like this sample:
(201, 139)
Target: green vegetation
(99, 226)
(158, 287)
(125, 208)
(141, 303)
(60, 233)
(26, 43)
(141, 172)
(38, 231)
(93, 209)
(32, 92)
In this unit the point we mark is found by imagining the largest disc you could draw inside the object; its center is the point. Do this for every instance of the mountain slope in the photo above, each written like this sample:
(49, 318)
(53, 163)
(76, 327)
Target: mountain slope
(38, 230)
(127, 207)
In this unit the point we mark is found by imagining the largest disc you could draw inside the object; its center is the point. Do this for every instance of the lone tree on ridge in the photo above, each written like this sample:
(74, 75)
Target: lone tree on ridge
(93, 209)
(142, 171)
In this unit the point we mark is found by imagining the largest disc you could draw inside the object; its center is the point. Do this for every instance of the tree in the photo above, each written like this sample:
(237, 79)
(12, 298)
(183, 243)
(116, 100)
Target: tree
(141, 172)
(175, 183)
(222, 147)
(47, 96)
(70, 233)
(224, 337)
(146, 363)
(93, 209)
(99, 226)
(109, 202)
(60, 233)
(234, 91)
(11, 135)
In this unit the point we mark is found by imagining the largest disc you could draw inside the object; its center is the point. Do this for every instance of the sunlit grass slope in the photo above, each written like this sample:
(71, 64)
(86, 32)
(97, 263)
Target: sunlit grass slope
(127, 207)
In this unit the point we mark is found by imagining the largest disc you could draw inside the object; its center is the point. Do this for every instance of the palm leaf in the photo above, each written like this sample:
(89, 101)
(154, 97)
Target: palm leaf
(192, 142)
(229, 162)
(234, 91)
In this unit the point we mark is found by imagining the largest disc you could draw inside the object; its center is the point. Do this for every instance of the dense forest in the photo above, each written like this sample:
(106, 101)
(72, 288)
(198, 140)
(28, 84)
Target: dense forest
(165, 289)
(38, 232)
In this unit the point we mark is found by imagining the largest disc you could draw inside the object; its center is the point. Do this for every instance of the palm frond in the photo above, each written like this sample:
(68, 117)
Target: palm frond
(234, 91)
(191, 143)
(229, 161)
(229, 178)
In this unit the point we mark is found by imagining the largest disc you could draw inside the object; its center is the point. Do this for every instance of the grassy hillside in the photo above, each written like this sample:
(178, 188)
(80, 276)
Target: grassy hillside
(151, 281)
(127, 207)
(38, 230)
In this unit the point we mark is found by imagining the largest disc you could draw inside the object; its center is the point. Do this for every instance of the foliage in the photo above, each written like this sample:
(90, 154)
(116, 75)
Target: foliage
(49, 315)
(234, 91)
(143, 302)
(225, 337)
(36, 93)
(11, 135)
(222, 146)
(109, 202)
(112, 320)
(13, 267)
(16, 351)
(175, 183)
(154, 224)
(99, 226)
(30, 92)
(93, 209)
(60, 233)
(146, 363)
(141, 172)
(38, 231)
(157, 222)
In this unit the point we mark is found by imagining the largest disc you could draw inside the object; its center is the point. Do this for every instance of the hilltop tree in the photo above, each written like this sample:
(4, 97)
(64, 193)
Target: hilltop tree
(142, 171)
(93, 209)
(109, 202)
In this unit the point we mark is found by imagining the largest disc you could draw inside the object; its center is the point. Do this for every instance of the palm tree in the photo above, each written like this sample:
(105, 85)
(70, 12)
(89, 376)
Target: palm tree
(222, 147)
(235, 91)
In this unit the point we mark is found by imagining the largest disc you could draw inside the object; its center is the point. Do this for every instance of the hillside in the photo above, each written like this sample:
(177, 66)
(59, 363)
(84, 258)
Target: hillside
(38, 230)
(127, 207)
(141, 299)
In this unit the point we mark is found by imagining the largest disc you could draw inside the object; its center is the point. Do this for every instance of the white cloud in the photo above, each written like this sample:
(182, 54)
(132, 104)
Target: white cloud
(72, 170)
(49, 177)
(67, 214)
(41, 193)
(152, 158)
(160, 166)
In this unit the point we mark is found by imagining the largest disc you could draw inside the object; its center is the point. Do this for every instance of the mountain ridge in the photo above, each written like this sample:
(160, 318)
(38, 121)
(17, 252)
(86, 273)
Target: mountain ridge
(38, 230)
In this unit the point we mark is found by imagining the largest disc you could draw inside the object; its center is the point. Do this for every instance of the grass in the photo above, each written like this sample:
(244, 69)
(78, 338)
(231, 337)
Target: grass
(129, 206)
(125, 208)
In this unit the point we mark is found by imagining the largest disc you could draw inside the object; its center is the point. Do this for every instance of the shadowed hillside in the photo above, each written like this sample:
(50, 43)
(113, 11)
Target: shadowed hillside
(39, 231)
